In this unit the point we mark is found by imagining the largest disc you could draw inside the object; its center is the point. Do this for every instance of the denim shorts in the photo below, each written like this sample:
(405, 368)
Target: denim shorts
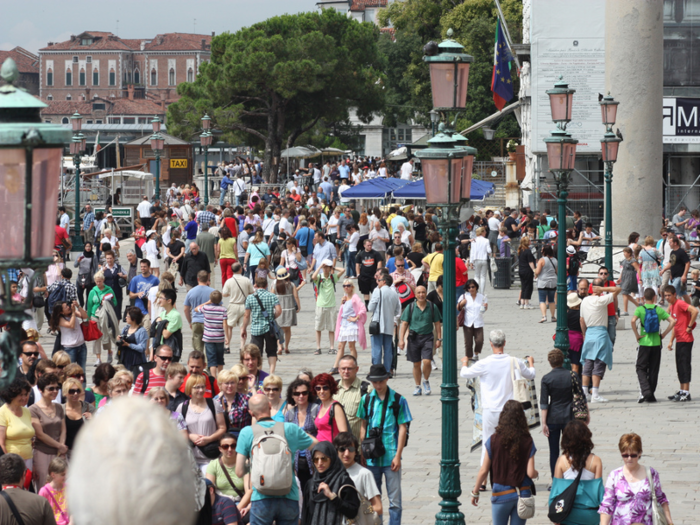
(215, 354)
(546, 294)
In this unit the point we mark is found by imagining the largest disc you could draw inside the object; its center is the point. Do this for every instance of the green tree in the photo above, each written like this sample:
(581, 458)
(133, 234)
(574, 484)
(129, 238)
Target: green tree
(278, 79)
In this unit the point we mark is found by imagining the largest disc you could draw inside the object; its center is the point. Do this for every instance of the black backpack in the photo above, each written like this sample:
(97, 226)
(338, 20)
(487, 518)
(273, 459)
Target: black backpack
(574, 265)
(395, 407)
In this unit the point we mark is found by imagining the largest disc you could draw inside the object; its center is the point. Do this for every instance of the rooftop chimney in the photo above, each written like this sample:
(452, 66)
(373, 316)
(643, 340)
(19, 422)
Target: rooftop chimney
(72, 38)
(213, 33)
(130, 91)
(204, 43)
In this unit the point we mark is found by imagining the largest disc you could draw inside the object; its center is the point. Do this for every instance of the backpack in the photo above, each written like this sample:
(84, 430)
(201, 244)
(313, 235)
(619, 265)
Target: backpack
(395, 407)
(271, 460)
(574, 265)
(145, 369)
(651, 320)
(56, 295)
(405, 292)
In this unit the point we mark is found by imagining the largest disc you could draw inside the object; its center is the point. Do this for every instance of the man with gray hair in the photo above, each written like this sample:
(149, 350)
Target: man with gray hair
(494, 373)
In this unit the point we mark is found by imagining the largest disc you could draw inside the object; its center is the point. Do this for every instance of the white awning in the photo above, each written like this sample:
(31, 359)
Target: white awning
(127, 174)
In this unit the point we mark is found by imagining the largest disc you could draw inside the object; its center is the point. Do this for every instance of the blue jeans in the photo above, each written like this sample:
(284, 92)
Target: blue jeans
(222, 197)
(393, 489)
(78, 354)
(215, 354)
(281, 511)
(501, 513)
(350, 264)
(612, 328)
(571, 283)
(381, 350)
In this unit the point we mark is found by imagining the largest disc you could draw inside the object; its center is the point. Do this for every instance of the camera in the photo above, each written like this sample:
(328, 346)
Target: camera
(412, 334)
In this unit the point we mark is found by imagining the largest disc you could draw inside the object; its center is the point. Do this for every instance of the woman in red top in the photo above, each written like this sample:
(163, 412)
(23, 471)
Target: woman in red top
(139, 234)
(330, 419)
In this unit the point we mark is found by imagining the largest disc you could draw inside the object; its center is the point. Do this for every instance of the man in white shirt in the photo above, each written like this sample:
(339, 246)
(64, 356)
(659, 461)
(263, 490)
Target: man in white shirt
(407, 170)
(65, 219)
(479, 258)
(494, 373)
(316, 174)
(285, 225)
(238, 189)
(343, 186)
(144, 211)
(494, 225)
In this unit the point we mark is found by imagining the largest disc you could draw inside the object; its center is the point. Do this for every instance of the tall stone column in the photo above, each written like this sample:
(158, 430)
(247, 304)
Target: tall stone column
(634, 76)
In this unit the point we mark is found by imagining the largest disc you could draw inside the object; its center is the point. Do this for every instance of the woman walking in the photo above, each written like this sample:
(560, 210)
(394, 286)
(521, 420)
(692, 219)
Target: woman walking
(289, 301)
(226, 252)
(628, 280)
(526, 270)
(302, 412)
(474, 305)
(350, 323)
(150, 252)
(510, 458)
(546, 274)
(233, 399)
(50, 427)
(257, 250)
(95, 302)
(133, 341)
(628, 489)
(87, 264)
(67, 319)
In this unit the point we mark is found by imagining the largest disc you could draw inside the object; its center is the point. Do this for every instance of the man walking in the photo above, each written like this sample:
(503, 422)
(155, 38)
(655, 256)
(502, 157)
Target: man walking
(496, 383)
(206, 242)
(379, 237)
(685, 316)
(260, 309)
(419, 319)
(139, 287)
(88, 220)
(195, 297)
(367, 262)
(193, 263)
(350, 392)
(322, 250)
(649, 351)
(597, 349)
(153, 376)
(238, 288)
(384, 405)
(678, 265)
(144, 213)
(325, 279)
(385, 305)
(603, 275)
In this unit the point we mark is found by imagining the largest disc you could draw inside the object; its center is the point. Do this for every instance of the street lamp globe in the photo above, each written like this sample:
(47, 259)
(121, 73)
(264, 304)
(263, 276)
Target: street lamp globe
(77, 122)
(443, 168)
(434, 116)
(449, 74)
(206, 122)
(561, 101)
(608, 109)
(561, 151)
(610, 144)
(156, 124)
(157, 142)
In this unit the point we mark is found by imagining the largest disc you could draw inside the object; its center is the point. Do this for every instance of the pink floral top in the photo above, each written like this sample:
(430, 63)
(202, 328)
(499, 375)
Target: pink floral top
(57, 500)
(624, 505)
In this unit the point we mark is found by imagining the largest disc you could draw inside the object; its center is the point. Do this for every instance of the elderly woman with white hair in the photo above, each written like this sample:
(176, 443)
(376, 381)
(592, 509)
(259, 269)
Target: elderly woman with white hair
(95, 310)
(496, 383)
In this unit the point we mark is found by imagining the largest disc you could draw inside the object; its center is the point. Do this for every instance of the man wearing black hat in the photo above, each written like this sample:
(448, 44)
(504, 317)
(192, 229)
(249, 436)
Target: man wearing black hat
(384, 413)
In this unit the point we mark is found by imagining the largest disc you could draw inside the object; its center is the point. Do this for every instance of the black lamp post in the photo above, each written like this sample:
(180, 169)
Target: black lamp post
(30, 171)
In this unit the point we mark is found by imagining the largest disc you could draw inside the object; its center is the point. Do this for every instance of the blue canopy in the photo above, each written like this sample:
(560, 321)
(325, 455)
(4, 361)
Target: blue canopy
(374, 188)
(416, 190)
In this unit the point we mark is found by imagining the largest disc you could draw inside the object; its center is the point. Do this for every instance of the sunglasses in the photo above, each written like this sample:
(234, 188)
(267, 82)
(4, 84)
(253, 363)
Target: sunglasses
(322, 388)
(51, 389)
(630, 456)
(275, 389)
(347, 286)
(472, 288)
(321, 459)
(602, 273)
(344, 449)
(400, 265)
(30, 354)
(61, 367)
(304, 393)
(227, 447)
(78, 376)
(164, 357)
(74, 391)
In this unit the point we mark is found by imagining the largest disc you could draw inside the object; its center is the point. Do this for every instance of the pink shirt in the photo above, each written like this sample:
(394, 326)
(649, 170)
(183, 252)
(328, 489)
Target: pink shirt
(325, 433)
(57, 500)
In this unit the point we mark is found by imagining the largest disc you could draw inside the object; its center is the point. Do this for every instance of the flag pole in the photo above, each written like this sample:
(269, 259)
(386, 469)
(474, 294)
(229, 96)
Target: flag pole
(507, 34)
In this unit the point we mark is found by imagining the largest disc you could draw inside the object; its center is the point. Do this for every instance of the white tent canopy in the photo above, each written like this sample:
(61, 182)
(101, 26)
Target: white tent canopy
(127, 174)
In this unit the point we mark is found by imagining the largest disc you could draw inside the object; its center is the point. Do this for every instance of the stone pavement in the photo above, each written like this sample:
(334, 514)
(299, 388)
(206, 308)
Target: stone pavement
(667, 428)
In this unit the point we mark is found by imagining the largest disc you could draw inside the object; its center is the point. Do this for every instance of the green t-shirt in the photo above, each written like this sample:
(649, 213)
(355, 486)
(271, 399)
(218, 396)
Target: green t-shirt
(653, 339)
(326, 291)
(214, 468)
(421, 321)
(174, 321)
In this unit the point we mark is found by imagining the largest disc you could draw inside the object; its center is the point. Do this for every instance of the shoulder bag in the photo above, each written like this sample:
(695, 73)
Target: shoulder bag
(228, 477)
(521, 387)
(562, 505)
(579, 407)
(274, 327)
(462, 314)
(366, 515)
(13, 508)
(91, 331)
(375, 326)
(657, 512)
(526, 506)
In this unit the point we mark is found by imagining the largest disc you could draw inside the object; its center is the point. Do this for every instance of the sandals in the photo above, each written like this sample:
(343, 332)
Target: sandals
(543, 320)
(332, 351)
(554, 319)
(286, 351)
(318, 351)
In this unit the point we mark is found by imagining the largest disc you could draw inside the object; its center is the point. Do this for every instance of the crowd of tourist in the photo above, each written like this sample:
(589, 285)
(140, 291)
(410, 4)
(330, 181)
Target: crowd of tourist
(345, 434)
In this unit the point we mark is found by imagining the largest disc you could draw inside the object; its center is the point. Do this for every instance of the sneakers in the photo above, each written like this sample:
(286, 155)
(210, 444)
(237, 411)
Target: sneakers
(98, 361)
(417, 391)
(435, 366)
(529, 307)
(598, 399)
(682, 397)
(426, 387)
(399, 351)
(109, 358)
(522, 307)
(673, 397)
(641, 398)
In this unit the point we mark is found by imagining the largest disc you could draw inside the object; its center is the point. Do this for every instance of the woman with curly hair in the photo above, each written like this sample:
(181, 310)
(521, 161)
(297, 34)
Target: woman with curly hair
(577, 457)
(510, 457)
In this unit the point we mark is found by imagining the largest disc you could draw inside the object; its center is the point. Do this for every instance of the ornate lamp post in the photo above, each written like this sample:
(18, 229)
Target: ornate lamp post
(157, 147)
(205, 140)
(447, 168)
(561, 155)
(77, 148)
(30, 168)
(610, 145)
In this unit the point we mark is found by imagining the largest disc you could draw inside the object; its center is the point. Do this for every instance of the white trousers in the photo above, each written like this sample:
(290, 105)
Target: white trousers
(489, 422)
(481, 275)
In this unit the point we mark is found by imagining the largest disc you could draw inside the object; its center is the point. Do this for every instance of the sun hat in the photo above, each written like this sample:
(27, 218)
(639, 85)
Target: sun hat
(570, 250)
(282, 274)
(573, 300)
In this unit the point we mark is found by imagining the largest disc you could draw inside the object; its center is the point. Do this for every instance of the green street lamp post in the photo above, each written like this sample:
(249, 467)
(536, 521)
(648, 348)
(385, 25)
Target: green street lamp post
(30, 169)
(610, 145)
(561, 155)
(157, 143)
(77, 148)
(447, 168)
(205, 140)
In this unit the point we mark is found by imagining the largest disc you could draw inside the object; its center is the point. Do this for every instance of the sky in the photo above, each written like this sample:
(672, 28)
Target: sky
(31, 24)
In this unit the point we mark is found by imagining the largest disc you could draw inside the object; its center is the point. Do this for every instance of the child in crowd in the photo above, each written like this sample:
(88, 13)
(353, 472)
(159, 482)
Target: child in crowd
(695, 282)
(55, 490)
(214, 337)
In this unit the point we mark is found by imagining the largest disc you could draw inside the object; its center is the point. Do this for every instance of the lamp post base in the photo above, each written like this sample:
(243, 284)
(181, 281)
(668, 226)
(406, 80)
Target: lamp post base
(78, 244)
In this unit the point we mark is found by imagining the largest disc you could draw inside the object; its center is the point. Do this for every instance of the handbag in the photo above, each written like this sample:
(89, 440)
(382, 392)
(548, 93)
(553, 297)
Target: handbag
(91, 332)
(461, 315)
(657, 513)
(366, 515)
(38, 301)
(521, 387)
(579, 407)
(526, 506)
(210, 450)
(372, 446)
(562, 505)
(374, 326)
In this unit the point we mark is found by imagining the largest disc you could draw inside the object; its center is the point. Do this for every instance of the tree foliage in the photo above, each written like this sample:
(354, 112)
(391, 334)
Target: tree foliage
(279, 78)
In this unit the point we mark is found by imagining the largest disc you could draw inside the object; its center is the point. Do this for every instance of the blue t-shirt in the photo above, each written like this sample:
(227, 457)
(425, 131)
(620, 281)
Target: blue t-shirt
(196, 296)
(391, 265)
(390, 432)
(305, 236)
(191, 229)
(142, 284)
(497, 487)
(297, 439)
(344, 170)
(257, 252)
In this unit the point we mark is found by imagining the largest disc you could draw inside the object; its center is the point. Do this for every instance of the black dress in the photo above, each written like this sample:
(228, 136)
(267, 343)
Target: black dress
(526, 273)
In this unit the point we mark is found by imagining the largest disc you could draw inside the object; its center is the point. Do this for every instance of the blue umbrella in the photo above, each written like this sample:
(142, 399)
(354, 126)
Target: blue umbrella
(416, 190)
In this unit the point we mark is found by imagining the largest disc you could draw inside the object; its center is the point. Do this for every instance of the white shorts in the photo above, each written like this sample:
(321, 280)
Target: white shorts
(236, 313)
